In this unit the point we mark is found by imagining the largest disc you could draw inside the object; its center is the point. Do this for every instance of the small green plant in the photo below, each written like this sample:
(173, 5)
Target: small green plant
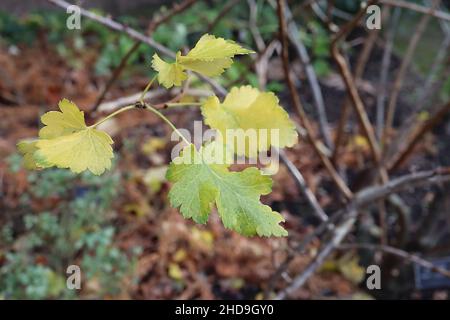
(36, 249)
(66, 141)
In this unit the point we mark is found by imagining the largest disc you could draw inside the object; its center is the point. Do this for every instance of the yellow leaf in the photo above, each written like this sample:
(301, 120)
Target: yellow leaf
(361, 142)
(27, 149)
(66, 142)
(169, 74)
(249, 109)
(180, 255)
(88, 149)
(351, 269)
(210, 57)
(152, 145)
(69, 120)
(154, 178)
(175, 271)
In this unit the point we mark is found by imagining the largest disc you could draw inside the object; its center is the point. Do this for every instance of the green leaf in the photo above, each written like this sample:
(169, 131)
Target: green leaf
(199, 183)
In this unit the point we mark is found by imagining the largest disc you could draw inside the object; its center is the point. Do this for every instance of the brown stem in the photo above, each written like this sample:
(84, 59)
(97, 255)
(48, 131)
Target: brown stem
(417, 135)
(392, 105)
(399, 253)
(299, 107)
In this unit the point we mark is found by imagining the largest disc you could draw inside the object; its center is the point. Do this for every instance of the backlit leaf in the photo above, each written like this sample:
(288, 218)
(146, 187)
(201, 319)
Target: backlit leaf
(247, 108)
(66, 142)
(169, 74)
(198, 185)
(27, 149)
(210, 57)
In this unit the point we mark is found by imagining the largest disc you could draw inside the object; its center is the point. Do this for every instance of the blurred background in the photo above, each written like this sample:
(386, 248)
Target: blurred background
(119, 227)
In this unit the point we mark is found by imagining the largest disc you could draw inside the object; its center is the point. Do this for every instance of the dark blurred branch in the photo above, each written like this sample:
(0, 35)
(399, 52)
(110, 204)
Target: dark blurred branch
(441, 55)
(226, 8)
(299, 107)
(407, 58)
(384, 73)
(176, 9)
(132, 33)
(362, 199)
(116, 73)
(405, 148)
(359, 71)
(309, 195)
(294, 37)
(396, 252)
(154, 24)
(349, 81)
(418, 8)
(253, 25)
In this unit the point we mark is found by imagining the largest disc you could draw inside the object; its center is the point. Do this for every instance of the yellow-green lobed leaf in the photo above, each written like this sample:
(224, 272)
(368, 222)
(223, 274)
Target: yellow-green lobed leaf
(210, 57)
(27, 149)
(247, 108)
(66, 142)
(169, 74)
(198, 186)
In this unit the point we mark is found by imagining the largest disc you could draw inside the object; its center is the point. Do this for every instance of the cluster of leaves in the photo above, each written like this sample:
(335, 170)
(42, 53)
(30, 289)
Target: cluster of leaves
(77, 230)
(67, 142)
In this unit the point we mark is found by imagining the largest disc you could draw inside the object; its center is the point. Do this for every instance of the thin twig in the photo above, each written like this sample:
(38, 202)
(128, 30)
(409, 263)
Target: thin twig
(176, 9)
(226, 8)
(299, 107)
(132, 33)
(339, 234)
(441, 55)
(392, 104)
(351, 86)
(253, 25)
(418, 133)
(415, 7)
(359, 71)
(309, 195)
(155, 23)
(399, 253)
(116, 73)
(294, 37)
(361, 199)
(385, 64)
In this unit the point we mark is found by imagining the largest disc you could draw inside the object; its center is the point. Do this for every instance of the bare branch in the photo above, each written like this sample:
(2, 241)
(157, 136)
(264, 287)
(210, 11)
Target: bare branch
(385, 63)
(360, 200)
(132, 33)
(418, 8)
(403, 68)
(294, 37)
(418, 133)
(397, 252)
(299, 107)
(226, 8)
(309, 195)
(116, 73)
(176, 9)
(351, 86)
